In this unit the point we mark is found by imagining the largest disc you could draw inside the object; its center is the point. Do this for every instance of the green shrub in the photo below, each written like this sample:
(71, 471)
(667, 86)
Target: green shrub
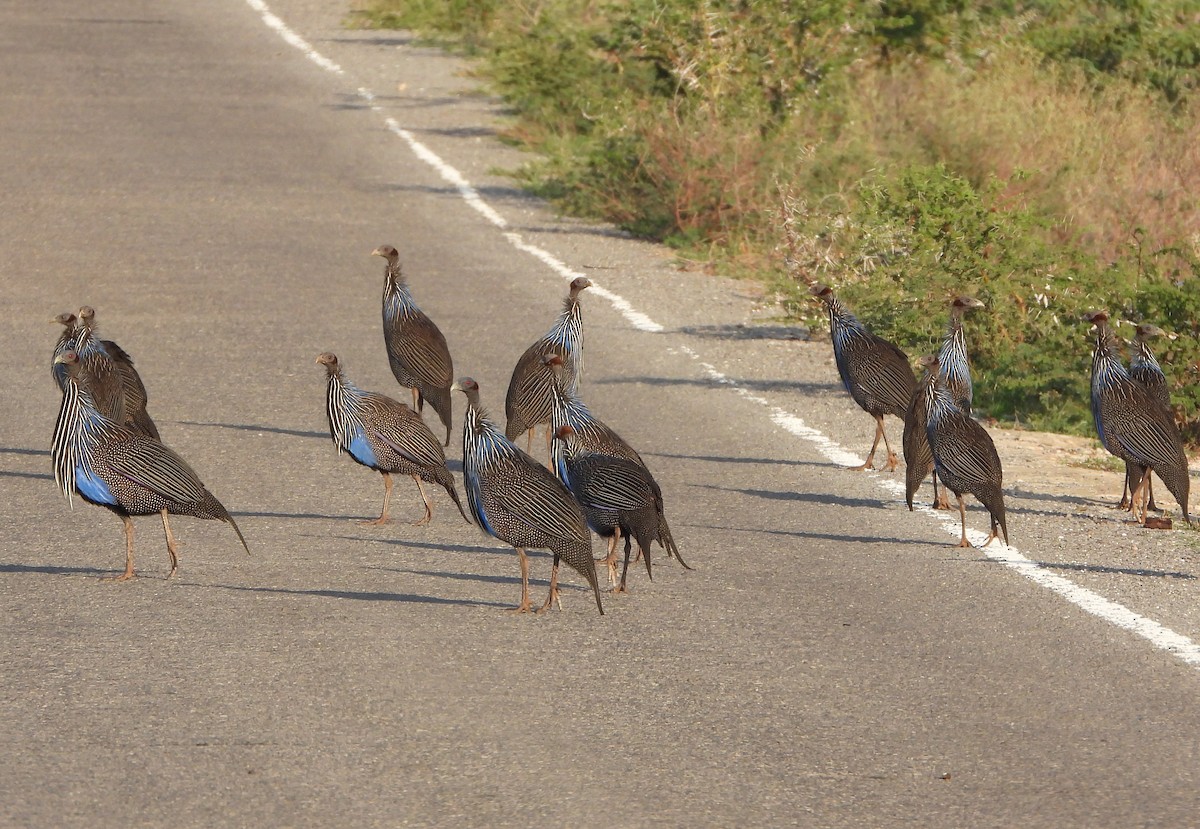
(922, 235)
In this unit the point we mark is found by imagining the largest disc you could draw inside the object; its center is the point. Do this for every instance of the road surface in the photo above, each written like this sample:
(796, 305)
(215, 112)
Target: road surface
(212, 178)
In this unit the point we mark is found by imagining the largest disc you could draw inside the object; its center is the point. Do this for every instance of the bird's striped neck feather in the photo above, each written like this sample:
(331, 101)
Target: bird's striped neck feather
(398, 302)
(78, 431)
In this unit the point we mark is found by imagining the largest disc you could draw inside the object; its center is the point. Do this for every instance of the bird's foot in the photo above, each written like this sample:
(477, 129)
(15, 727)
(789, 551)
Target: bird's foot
(963, 544)
(555, 598)
(862, 467)
(128, 575)
(892, 462)
(420, 523)
(940, 505)
(1122, 504)
(376, 522)
(523, 607)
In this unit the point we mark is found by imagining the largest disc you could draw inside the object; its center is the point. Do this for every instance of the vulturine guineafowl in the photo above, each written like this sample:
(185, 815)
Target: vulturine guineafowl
(113, 466)
(416, 348)
(1144, 368)
(956, 374)
(1133, 425)
(918, 457)
(517, 500)
(875, 372)
(595, 436)
(529, 398)
(963, 453)
(385, 435)
(66, 342)
(117, 386)
(617, 495)
(952, 357)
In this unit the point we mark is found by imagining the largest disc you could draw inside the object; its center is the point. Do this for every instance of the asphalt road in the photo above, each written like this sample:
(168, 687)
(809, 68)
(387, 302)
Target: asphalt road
(831, 661)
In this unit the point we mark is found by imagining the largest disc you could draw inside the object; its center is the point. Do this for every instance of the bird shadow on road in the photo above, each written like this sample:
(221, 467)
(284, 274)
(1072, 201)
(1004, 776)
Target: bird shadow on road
(442, 574)
(1045, 496)
(1124, 571)
(739, 331)
(358, 595)
(810, 497)
(856, 539)
(449, 548)
(14, 450)
(54, 570)
(494, 194)
(865, 539)
(319, 515)
(35, 475)
(1014, 506)
(755, 461)
(249, 427)
(1014, 494)
(577, 230)
(386, 40)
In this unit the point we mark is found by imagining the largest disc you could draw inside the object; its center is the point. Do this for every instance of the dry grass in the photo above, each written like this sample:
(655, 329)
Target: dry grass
(1113, 166)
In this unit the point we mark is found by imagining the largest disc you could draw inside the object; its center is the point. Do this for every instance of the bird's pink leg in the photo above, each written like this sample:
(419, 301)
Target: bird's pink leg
(387, 500)
(962, 514)
(171, 549)
(523, 607)
(869, 464)
(128, 574)
(425, 498)
(554, 595)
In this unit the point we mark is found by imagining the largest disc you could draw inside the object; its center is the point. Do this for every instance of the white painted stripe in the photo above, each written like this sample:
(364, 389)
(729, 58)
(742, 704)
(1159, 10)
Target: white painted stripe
(452, 176)
(292, 38)
(1089, 601)
(635, 318)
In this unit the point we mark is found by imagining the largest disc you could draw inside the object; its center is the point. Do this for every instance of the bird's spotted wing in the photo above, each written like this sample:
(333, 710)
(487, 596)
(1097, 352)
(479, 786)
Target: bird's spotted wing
(152, 465)
(403, 430)
(422, 347)
(539, 501)
(609, 483)
(1151, 441)
(967, 452)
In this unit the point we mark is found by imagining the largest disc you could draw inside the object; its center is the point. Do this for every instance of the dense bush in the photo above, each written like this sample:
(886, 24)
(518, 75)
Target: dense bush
(921, 235)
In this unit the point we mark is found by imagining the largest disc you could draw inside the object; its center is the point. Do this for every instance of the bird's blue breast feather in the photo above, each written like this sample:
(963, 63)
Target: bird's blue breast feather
(92, 488)
(360, 449)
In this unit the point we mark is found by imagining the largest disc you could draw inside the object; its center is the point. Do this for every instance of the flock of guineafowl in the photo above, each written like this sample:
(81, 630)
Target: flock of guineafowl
(106, 448)
(1130, 407)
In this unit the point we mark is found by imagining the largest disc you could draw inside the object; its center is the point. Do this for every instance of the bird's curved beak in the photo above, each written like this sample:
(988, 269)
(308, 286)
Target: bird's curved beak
(377, 252)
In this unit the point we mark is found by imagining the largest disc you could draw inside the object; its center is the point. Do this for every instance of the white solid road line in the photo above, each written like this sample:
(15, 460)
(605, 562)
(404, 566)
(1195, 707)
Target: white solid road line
(1088, 600)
